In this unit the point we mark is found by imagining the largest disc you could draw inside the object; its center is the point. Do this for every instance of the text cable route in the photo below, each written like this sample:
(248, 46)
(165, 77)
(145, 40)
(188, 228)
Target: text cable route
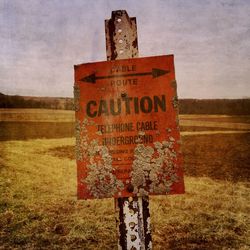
(155, 73)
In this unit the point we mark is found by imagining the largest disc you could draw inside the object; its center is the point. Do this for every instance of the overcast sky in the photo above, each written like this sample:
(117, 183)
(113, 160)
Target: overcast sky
(40, 41)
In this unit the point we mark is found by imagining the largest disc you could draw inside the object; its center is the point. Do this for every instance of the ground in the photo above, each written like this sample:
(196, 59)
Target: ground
(39, 209)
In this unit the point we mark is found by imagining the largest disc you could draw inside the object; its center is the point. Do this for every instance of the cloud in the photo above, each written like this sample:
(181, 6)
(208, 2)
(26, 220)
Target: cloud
(42, 40)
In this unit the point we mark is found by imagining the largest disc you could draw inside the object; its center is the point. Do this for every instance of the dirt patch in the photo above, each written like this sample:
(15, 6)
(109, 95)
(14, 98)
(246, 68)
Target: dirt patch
(63, 151)
(219, 156)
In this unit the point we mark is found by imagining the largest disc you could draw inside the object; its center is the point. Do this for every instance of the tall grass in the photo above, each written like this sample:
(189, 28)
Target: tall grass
(39, 210)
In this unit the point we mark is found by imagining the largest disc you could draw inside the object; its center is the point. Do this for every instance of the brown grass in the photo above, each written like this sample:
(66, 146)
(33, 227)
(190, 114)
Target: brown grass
(32, 130)
(39, 210)
(23, 124)
(218, 118)
(36, 115)
(202, 128)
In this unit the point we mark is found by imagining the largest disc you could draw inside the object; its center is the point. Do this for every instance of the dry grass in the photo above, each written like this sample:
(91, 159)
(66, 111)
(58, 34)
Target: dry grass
(38, 201)
(216, 124)
(218, 118)
(36, 115)
(39, 210)
(23, 124)
(211, 215)
(32, 130)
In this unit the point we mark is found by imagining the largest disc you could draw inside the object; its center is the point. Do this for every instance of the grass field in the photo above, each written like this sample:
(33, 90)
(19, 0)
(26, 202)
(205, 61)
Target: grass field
(39, 210)
(23, 124)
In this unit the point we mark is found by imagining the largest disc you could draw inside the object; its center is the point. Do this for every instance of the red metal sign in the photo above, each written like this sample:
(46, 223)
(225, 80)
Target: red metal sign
(127, 130)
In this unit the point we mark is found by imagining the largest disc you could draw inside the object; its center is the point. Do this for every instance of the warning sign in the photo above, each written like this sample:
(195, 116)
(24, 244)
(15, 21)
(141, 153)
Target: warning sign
(127, 130)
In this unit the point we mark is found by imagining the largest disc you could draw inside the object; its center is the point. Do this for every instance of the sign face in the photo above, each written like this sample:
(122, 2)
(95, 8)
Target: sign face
(127, 130)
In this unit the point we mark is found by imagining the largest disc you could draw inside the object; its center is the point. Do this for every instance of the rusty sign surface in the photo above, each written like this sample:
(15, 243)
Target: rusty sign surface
(127, 129)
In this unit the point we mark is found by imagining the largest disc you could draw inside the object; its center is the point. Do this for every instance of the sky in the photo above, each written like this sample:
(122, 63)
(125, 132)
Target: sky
(41, 40)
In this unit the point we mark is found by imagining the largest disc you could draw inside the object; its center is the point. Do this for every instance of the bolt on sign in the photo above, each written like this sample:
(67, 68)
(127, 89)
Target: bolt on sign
(127, 129)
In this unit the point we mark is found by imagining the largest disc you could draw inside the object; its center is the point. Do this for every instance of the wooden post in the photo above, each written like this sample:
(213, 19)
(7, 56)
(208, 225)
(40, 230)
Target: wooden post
(133, 212)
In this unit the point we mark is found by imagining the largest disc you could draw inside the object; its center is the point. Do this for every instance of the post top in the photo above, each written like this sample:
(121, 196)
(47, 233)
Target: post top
(115, 13)
(121, 36)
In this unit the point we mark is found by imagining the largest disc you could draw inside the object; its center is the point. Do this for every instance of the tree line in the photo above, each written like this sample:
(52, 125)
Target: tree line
(186, 106)
(8, 101)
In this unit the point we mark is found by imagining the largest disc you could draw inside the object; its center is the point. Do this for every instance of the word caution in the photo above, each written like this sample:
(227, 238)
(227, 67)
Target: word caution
(126, 105)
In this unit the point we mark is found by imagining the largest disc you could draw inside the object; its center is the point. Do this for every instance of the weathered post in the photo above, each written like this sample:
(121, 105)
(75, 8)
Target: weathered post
(133, 212)
(127, 130)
